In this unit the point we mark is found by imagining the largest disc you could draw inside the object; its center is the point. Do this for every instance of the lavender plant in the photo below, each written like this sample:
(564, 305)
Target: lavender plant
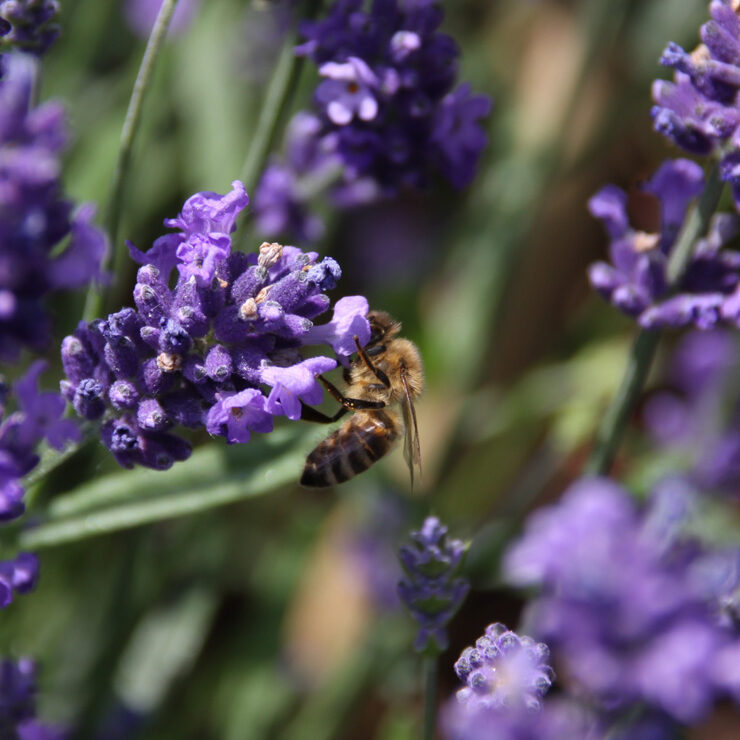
(633, 603)
(387, 115)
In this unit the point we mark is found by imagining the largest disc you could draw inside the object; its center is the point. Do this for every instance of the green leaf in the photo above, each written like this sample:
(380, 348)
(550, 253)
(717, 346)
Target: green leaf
(215, 474)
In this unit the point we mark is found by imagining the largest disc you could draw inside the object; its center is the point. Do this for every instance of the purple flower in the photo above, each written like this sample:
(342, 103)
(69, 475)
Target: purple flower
(636, 281)
(18, 703)
(698, 110)
(220, 350)
(458, 134)
(241, 413)
(556, 720)
(28, 25)
(390, 117)
(431, 589)
(282, 199)
(18, 576)
(17, 694)
(141, 14)
(34, 218)
(617, 605)
(38, 416)
(503, 670)
(295, 383)
(347, 91)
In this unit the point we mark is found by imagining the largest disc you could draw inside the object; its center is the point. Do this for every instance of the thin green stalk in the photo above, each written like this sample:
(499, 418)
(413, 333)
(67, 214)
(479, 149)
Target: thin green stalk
(430, 696)
(94, 303)
(278, 93)
(643, 350)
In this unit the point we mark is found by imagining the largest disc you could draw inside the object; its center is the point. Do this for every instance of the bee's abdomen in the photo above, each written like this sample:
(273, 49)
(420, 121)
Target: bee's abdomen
(350, 450)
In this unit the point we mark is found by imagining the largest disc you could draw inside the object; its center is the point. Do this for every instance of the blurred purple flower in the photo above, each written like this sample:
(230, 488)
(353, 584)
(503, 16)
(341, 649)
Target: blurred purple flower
(28, 25)
(617, 606)
(390, 117)
(636, 281)
(698, 110)
(18, 703)
(220, 350)
(141, 14)
(503, 670)
(431, 589)
(558, 719)
(18, 576)
(38, 416)
(34, 218)
(696, 418)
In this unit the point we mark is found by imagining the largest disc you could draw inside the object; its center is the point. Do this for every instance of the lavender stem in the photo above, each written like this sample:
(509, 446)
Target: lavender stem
(430, 696)
(131, 123)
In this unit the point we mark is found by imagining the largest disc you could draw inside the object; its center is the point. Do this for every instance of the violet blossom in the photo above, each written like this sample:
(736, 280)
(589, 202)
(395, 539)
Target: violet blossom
(432, 589)
(18, 703)
(389, 117)
(220, 350)
(625, 621)
(34, 217)
(38, 416)
(699, 110)
(636, 279)
(28, 25)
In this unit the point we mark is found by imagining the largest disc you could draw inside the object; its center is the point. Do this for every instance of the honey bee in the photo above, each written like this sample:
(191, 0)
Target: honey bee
(387, 372)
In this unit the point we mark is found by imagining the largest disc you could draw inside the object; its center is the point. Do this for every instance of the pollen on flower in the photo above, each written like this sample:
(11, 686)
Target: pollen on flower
(168, 362)
(270, 254)
(248, 309)
(645, 242)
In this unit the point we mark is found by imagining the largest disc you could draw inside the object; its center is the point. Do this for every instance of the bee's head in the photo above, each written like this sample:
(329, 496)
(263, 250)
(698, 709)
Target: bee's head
(382, 327)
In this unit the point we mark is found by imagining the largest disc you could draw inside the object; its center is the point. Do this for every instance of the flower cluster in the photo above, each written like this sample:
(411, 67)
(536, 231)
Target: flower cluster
(200, 353)
(431, 590)
(18, 703)
(38, 417)
(504, 670)
(699, 110)
(28, 25)
(626, 604)
(388, 117)
(34, 217)
(636, 281)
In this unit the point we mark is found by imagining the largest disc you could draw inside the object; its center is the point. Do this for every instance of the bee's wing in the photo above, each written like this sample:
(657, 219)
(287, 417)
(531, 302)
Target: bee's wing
(411, 447)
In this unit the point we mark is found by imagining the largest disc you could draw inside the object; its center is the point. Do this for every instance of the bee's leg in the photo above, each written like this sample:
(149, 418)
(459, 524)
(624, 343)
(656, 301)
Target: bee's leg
(309, 413)
(353, 404)
(379, 374)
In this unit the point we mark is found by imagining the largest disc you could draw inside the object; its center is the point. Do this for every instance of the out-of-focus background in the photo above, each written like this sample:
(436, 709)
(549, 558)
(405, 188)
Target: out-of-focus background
(276, 617)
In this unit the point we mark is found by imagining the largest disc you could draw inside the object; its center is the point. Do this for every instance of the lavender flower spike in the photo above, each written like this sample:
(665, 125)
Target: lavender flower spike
(698, 111)
(28, 25)
(431, 591)
(34, 218)
(636, 281)
(220, 350)
(504, 670)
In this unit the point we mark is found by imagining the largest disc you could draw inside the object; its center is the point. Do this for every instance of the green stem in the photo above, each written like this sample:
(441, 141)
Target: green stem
(94, 303)
(430, 696)
(281, 85)
(643, 350)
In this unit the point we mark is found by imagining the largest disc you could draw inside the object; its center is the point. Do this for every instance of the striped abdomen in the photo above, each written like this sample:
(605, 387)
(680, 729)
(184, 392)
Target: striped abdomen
(351, 449)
